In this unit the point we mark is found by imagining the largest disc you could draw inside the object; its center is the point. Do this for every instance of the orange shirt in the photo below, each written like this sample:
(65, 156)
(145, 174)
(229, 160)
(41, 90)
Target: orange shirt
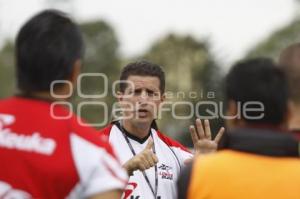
(234, 175)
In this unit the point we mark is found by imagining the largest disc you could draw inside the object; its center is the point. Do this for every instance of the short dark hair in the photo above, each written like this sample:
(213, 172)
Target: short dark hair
(47, 47)
(259, 80)
(143, 68)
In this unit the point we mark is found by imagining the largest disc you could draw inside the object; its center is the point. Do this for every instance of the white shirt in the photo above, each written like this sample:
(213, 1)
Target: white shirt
(171, 156)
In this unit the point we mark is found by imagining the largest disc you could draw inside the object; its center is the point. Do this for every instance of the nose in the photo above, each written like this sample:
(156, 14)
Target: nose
(143, 97)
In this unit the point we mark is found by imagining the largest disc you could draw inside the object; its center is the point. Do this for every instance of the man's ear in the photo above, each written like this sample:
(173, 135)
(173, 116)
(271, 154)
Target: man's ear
(75, 72)
(234, 113)
(230, 113)
(289, 113)
(119, 96)
(163, 97)
(231, 108)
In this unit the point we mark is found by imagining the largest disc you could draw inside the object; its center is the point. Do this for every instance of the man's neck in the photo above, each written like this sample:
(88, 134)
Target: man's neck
(140, 131)
(36, 95)
(44, 95)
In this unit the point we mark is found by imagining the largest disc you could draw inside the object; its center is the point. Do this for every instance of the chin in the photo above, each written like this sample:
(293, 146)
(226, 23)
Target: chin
(144, 121)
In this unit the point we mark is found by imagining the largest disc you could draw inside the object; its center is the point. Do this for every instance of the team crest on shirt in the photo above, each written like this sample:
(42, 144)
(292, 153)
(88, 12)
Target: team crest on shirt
(165, 172)
(130, 187)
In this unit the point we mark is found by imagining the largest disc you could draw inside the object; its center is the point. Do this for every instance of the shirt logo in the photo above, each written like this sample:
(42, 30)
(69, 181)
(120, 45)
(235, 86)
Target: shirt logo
(165, 172)
(129, 189)
(31, 143)
(7, 191)
(6, 119)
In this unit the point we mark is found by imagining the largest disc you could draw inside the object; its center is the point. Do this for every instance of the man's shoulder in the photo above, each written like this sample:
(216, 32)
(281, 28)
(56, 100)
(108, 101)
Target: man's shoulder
(88, 133)
(171, 142)
(6, 100)
(106, 130)
(228, 160)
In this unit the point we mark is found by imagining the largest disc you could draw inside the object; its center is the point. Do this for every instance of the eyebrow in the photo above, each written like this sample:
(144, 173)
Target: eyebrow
(147, 89)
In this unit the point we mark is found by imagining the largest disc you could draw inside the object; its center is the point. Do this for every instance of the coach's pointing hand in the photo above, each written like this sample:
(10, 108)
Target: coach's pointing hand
(142, 161)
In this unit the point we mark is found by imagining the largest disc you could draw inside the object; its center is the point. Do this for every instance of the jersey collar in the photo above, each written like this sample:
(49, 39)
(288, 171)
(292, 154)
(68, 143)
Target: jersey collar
(131, 136)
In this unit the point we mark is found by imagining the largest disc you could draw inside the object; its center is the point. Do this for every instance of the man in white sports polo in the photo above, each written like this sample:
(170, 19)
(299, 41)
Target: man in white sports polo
(153, 160)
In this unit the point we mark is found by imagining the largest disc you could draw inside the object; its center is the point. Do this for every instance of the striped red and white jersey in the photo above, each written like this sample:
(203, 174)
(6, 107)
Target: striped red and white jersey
(171, 156)
(43, 157)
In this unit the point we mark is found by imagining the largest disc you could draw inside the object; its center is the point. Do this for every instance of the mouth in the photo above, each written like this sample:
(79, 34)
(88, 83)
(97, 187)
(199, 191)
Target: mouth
(143, 112)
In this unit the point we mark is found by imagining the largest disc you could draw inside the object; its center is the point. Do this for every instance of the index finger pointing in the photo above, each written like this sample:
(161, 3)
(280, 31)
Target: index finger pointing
(149, 144)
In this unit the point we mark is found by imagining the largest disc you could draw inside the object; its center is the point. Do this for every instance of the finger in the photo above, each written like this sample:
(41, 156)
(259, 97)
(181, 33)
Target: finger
(200, 129)
(146, 162)
(207, 129)
(150, 160)
(142, 167)
(149, 144)
(147, 165)
(193, 134)
(154, 159)
(219, 135)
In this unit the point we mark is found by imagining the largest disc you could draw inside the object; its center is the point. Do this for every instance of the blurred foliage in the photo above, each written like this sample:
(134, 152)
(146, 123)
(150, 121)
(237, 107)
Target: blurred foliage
(7, 74)
(277, 41)
(185, 59)
(101, 57)
(188, 64)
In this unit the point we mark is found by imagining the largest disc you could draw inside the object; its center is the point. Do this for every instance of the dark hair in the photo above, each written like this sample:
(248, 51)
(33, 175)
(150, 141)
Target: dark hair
(143, 68)
(259, 80)
(47, 47)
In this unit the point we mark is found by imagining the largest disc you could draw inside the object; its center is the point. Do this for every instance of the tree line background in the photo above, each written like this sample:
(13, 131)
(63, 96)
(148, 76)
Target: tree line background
(188, 63)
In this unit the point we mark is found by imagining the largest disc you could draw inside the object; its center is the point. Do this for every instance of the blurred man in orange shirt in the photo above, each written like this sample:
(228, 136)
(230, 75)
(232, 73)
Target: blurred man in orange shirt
(259, 160)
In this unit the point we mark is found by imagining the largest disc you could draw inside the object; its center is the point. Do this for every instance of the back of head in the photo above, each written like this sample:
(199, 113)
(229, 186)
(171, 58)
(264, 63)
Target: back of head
(290, 63)
(142, 68)
(47, 46)
(258, 80)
